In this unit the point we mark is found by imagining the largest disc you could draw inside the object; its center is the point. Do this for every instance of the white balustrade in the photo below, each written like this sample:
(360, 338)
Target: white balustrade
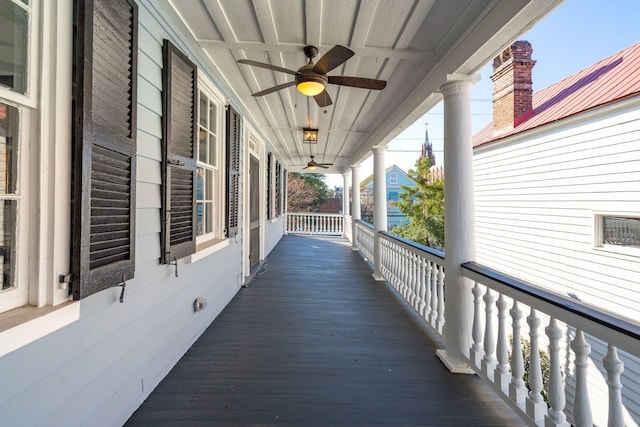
(414, 271)
(570, 327)
(314, 223)
(560, 354)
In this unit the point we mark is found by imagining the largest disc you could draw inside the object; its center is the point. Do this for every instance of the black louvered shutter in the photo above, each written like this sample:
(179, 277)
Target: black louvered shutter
(269, 186)
(234, 127)
(285, 178)
(278, 189)
(179, 117)
(104, 149)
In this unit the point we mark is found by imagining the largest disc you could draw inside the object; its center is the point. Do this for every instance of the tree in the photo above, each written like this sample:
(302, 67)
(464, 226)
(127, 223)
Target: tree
(423, 204)
(305, 192)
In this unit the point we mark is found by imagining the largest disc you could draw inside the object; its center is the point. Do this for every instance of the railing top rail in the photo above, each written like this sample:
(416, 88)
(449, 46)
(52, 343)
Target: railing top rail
(413, 246)
(315, 214)
(366, 224)
(575, 313)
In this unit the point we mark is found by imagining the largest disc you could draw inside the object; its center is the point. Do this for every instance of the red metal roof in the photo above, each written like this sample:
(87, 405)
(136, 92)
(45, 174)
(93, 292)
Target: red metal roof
(606, 81)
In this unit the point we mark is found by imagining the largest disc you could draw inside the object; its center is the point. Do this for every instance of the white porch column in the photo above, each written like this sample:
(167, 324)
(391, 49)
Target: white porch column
(355, 203)
(459, 225)
(379, 207)
(345, 202)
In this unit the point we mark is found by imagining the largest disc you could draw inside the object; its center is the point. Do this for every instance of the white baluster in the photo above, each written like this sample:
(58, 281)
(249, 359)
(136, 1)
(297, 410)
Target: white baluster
(536, 406)
(517, 389)
(427, 290)
(414, 279)
(614, 367)
(421, 285)
(502, 374)
(440, 325)
(477, 352)
(489, 358)
(434, 296)
(555, 416)
(581, 405)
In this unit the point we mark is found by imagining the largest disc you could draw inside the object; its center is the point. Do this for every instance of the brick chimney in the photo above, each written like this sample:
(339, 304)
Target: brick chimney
(512, 86)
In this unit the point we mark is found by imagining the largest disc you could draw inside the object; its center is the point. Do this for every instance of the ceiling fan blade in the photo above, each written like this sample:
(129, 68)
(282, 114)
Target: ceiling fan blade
(359, 82)
(274, 89)
(324, 164)
(323, 99)
(267, 66)
(335, 57)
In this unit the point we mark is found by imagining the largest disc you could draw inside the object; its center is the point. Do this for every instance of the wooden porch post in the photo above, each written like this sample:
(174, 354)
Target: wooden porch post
(355, 203)
(379, 207)
(345, 202)
(459, 230)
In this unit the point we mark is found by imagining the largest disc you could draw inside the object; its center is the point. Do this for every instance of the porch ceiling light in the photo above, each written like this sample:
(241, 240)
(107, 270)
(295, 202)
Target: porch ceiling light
(310, 136)
(311, 84)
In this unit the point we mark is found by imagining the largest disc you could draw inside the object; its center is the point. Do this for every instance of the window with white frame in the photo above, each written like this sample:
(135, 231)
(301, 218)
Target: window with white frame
(209, 182)
(16, 18)
(618, 232)
(393, 178)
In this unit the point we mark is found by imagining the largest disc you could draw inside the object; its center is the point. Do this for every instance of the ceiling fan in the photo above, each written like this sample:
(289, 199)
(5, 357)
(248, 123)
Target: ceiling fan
(312, 165)
(311, 79)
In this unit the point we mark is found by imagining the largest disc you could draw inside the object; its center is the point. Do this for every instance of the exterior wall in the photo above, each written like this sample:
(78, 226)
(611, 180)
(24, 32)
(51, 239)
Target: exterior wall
(97, 370)
(536, 199)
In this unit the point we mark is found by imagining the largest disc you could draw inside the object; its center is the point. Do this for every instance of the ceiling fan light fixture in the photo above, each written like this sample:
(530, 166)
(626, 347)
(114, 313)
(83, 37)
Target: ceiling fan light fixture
(311, 167)
(310, 84)
(310, 88)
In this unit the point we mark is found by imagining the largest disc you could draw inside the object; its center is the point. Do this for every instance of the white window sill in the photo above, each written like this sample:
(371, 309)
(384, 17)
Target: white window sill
(620, 250)
(24, 325)
(207, 248)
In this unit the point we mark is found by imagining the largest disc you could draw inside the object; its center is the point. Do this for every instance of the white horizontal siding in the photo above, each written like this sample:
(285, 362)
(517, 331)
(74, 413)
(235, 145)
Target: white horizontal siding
(535, 201)
(97, 370)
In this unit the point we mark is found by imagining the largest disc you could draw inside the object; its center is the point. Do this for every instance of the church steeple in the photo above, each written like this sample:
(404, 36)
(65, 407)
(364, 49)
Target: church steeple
(427, 148)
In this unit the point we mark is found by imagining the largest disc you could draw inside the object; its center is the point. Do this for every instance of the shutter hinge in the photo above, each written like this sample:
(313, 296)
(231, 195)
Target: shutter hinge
(64, 280)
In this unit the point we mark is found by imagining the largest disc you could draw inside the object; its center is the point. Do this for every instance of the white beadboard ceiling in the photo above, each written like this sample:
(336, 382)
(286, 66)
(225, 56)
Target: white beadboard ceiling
(413, 44)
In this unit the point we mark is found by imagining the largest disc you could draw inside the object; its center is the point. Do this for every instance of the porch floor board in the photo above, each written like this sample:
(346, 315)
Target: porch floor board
(316, 341)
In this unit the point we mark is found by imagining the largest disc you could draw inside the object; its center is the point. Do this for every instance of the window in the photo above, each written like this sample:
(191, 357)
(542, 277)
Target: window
(209, 195)
(16, 21)
(393, 177)
(619, 233)
(392, 199)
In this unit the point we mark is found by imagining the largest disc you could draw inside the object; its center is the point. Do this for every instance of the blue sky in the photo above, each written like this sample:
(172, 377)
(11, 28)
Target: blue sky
(575, 35)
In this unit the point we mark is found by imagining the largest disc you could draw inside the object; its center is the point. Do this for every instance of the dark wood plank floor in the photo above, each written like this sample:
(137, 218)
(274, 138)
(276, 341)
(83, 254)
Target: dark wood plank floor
(316, 341)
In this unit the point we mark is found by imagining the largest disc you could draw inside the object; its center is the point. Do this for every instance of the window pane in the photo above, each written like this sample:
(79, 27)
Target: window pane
(212, 149)
(209, 185)
(203, 137)
(212, 118)
(209, 211)
(8, 149)
(14, 22)
(7, 242)
(199, 218)
(621, 231)
(203, 110)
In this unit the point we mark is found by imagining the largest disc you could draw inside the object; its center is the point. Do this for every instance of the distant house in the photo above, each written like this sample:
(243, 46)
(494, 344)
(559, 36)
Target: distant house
(556, 182)
(395, 179)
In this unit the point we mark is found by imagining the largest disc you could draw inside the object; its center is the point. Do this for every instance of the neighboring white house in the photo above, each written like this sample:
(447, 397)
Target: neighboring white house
(557, 187)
